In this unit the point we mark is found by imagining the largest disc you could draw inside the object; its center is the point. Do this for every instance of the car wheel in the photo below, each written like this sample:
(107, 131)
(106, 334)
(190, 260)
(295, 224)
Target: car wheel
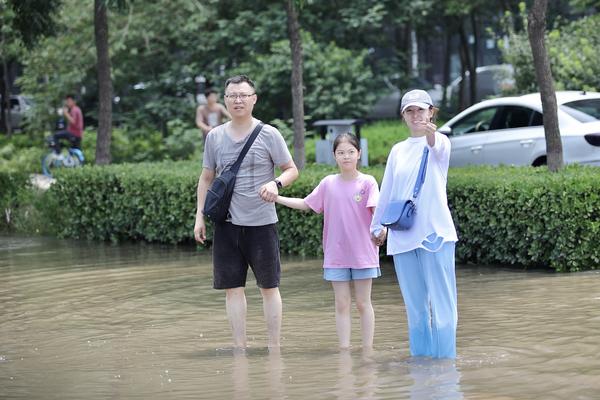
(539, 162)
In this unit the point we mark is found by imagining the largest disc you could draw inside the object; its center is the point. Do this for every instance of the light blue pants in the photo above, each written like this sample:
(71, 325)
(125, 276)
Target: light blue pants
(428, 284)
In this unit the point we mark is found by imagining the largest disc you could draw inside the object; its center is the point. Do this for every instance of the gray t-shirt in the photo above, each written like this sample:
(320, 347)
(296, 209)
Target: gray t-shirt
(258, 167)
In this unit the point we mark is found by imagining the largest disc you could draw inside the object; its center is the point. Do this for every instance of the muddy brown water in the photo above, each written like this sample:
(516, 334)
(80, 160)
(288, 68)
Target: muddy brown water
(85, 320)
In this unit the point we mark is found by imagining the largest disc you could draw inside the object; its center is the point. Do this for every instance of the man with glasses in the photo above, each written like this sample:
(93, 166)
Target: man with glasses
(249, 236)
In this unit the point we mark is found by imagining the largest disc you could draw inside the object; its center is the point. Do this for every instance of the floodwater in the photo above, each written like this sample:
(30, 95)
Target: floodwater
(134, 321)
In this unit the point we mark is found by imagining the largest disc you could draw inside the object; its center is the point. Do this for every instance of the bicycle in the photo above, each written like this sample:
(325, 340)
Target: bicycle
(70, 158)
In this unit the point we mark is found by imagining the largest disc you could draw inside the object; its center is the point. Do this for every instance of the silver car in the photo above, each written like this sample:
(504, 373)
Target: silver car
(509, 130)
(19, 106)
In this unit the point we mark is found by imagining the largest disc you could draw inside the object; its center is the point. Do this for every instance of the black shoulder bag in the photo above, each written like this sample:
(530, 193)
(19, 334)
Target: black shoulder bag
(218, 196)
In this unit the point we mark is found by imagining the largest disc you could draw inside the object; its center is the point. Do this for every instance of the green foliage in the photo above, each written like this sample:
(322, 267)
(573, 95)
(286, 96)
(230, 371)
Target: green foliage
(155, 60)
(153, 202)
(527, 216)
(23, 208)
(63, 63)
(184, 141)
(338, 83)
(573, 49)
(381, 136)
(18, 155)
(504, 215)
(33, 18)
(11, 185)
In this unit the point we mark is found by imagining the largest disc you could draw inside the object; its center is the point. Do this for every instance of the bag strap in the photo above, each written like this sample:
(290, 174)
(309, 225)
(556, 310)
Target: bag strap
(422, 172)
(236, 166)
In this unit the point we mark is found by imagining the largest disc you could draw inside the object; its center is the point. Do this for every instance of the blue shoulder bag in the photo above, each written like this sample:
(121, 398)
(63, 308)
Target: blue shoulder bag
(400, 215)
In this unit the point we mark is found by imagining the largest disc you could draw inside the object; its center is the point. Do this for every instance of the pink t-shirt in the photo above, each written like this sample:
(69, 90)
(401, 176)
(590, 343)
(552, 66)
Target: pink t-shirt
(76, 127)
(346, 208)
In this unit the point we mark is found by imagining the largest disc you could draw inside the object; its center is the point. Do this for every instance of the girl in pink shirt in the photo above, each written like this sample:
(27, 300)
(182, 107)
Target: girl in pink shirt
(347, 201)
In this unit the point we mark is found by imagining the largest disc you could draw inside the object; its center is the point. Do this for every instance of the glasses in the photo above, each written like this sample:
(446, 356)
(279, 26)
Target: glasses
(241, 96)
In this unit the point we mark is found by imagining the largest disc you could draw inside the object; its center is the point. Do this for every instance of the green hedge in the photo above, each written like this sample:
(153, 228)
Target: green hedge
(522, 216)
(147, 201)
(527, 216)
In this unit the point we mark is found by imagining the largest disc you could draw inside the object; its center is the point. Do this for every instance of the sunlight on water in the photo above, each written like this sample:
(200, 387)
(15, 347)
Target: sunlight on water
(95, 321)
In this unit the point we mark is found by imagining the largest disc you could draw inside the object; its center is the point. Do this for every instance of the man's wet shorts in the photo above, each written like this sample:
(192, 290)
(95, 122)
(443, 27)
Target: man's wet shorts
(235, 248)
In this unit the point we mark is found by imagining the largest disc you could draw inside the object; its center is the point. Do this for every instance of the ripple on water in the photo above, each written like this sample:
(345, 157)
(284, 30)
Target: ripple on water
(95, 321)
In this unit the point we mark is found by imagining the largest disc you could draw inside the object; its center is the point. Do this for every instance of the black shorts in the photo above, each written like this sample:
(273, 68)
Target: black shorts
(237, 247)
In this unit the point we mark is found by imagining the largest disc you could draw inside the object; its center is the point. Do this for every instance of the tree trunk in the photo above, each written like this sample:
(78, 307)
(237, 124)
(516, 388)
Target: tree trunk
(296, 81)
(467, 63)
(5, 120)
(407, 48)
(104, 83)
(536, 26)
(462, 97)
(446, 75)
(473, 73)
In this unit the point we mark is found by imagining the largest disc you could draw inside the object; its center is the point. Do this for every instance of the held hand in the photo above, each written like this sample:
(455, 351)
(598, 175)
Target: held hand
(268, 192)
(200, 229)
(380, 239)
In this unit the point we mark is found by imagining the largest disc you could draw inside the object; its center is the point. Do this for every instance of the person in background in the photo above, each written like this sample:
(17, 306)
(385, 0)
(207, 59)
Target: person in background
(211, 114)
(424, 254)
(74, 132)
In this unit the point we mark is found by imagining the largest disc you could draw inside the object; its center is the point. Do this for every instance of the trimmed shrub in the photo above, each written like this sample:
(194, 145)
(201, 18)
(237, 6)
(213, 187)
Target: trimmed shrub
(527, 216)
(148, 201)
(504, 215)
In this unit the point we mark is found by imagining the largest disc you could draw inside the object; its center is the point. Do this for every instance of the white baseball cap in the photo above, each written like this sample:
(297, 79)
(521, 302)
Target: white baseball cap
(417, 97)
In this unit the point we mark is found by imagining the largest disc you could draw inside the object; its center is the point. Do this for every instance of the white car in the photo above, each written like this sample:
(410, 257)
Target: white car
(19, 106)
(509, 130)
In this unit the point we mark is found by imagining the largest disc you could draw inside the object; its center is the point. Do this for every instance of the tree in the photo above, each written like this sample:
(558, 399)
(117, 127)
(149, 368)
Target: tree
(104, 83)
(537, 31)
(297, 84)
(22, 24)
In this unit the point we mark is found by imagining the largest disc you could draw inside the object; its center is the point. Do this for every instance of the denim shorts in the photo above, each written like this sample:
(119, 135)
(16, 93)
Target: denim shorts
(350, 274)
(235, 248)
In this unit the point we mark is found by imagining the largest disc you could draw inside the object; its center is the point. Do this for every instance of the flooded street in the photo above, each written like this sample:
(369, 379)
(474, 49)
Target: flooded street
(85, 320)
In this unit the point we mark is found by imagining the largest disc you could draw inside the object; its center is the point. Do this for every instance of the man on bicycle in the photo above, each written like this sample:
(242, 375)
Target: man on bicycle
(74, 131)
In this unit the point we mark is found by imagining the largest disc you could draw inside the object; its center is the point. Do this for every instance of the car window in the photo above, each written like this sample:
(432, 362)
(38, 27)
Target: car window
(583, 110)
(537, 119)
(514, 117)
(477, 121)
(14, 105)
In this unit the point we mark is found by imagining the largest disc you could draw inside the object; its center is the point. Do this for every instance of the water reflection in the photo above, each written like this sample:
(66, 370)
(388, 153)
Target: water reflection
(356, 379)
(434, 379)
(272, 368)
(95, 321)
